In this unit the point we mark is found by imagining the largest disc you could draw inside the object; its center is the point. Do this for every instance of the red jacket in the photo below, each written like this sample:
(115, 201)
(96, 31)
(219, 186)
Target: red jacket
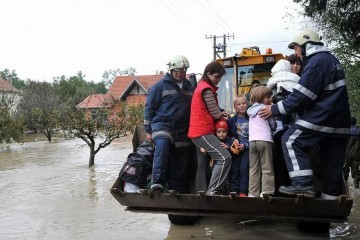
(201, 122)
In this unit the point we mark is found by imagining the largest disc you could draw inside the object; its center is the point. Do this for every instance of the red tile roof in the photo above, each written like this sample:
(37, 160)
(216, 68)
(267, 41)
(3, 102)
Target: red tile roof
(5, 86)
(122, 83)
(95, 101)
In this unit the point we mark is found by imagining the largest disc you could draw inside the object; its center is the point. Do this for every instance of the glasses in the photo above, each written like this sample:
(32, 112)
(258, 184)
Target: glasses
(179, 70)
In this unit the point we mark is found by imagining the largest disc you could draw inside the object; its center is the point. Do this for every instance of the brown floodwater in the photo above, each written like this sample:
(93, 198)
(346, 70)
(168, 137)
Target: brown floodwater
(47, 191)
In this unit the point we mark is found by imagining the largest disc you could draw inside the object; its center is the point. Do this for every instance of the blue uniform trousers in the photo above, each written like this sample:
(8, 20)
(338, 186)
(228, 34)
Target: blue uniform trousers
(296, 144)
(171, 165)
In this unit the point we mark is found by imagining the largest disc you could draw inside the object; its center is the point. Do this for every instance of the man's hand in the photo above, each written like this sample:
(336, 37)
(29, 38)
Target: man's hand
(265, 112)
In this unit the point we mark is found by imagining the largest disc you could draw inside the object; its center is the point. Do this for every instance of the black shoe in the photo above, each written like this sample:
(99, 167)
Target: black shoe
(157, 188)
(307, 191)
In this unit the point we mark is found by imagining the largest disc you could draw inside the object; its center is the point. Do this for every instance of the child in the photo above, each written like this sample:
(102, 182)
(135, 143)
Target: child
(261, 140)
(282, 79)
(227, 142)
(239, 128)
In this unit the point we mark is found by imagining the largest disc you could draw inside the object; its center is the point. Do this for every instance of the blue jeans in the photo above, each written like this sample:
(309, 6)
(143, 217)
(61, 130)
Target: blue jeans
(239, 173)
(171, 165)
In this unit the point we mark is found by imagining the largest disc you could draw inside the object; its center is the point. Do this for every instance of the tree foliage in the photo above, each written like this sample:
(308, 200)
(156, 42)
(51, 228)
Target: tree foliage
(16, 81)
(40, 107)
(109, 75)
(338, 21)
(76, 88)
(11, 126)
(100, 127)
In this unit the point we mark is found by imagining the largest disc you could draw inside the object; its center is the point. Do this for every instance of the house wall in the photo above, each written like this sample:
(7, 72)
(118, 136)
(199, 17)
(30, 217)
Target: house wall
(132, 99)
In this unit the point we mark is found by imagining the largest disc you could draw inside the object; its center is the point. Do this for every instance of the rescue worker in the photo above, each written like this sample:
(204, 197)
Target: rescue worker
(352, 160)
(322, 98)
(166, 120)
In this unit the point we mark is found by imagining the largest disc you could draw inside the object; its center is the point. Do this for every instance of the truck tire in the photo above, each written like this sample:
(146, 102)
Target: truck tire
(182, 220)
(314, 227)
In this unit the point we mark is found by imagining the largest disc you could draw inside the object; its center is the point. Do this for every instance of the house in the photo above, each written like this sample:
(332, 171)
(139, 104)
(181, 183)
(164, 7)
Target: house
(9, 93)
(130, 89)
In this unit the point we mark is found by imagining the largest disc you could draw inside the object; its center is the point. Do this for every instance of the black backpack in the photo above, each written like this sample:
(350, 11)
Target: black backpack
(138, 166)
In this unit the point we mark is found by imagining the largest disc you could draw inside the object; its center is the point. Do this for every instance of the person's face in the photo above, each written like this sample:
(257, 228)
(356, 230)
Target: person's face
(179, 73)
(267, 100)
(297, 49)
(221, 133)
(241, 105)
(215, 78)
(296, 68)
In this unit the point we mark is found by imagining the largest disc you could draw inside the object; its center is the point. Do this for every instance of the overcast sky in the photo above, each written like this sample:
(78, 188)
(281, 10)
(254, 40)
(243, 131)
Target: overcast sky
(42, 39)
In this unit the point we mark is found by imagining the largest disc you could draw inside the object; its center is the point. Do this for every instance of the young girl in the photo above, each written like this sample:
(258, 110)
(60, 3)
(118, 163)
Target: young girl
(239, 128)
(261, 172)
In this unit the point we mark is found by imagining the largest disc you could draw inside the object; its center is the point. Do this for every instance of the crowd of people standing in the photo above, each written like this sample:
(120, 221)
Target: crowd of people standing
(262, 149)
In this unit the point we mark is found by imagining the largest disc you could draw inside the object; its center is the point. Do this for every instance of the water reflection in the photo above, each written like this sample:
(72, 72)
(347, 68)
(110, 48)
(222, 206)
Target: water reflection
(47, 191)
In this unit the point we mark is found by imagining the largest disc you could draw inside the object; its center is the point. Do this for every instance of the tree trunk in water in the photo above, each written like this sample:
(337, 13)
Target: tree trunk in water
(92, 156)
(92, 159)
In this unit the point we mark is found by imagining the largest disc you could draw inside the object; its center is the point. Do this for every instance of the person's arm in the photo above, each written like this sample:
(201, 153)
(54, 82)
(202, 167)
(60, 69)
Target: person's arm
(305, 93)
(211, 105)
(152, 102)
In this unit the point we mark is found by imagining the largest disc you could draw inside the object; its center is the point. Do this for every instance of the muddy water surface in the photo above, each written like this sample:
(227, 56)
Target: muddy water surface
(47, 191)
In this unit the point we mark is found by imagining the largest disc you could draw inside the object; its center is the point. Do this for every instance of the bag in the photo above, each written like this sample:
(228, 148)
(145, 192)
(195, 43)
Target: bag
(136, 170)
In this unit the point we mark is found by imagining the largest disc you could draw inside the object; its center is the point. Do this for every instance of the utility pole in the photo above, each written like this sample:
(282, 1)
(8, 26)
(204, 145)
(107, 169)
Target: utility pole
(219, 48)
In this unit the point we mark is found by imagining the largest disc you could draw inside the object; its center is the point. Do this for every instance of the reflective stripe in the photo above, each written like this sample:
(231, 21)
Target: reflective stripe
(281, 108)
(182, 144)
(305, 91)
(291, 151)
(189, 93)
(334, 85)
(294, 161)
(146, 122)
(162, 133)
(222, 167)
(329, 197)
(324, 129)
(301, 173)
(169, 92)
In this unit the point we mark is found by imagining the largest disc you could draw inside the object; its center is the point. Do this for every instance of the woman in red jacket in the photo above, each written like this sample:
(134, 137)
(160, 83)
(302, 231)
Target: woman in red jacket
(204, 113)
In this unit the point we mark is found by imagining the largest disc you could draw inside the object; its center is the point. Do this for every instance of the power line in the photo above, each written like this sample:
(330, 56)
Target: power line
(211, 16)
(222, 20)
(172, 10)
(183, 16)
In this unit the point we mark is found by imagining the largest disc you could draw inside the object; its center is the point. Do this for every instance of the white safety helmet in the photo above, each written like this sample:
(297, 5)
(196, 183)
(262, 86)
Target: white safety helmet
(305, 36)
(179, 61)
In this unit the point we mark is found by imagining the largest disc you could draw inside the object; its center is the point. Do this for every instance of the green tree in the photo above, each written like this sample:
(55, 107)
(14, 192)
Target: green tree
(76, 88)
(40, 107)
(16, 81)
(338, 21)
(99, 127)
(109, 75)
(11, 126)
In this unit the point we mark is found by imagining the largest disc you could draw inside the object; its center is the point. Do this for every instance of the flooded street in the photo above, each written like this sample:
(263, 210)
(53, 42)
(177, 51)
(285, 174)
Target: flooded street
(47, 191)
